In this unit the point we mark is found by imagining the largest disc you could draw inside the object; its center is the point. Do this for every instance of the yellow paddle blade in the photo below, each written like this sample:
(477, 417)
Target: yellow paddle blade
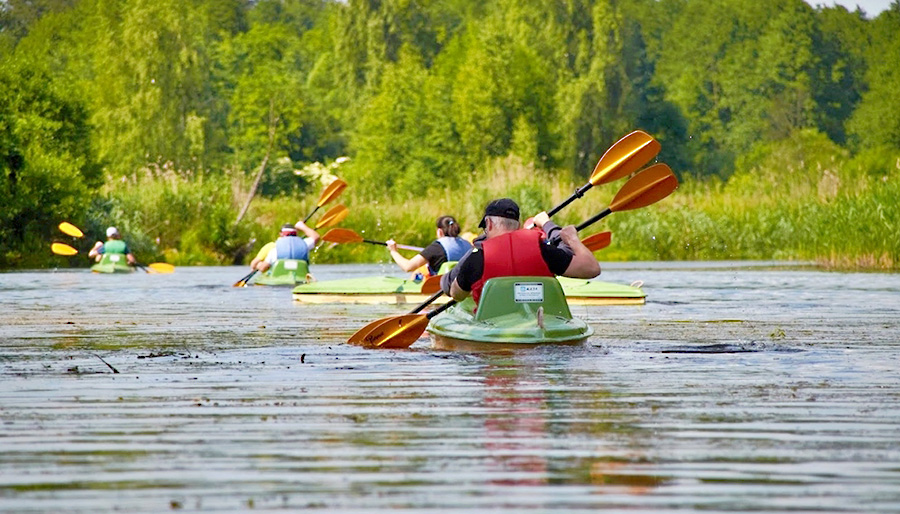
(334, 216)
(625, 157)
(161, 267)
(70, 229)
(397, 332)
(62, 249)
(597, 242)
(331, 192)
(649, 186)
(342, 235)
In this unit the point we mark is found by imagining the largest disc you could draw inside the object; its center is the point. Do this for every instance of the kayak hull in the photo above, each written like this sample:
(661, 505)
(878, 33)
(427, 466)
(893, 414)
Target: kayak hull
(515, 312)
(112, 263)
(399, 291)
(285, 272)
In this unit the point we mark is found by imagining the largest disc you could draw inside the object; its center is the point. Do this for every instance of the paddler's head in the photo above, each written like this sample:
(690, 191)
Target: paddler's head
(287, 230)
(447, 226)
(500, 216)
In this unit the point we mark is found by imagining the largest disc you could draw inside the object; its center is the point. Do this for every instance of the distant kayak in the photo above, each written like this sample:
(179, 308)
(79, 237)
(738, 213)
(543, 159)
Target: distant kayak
(400, 291)
(514, 312)
(112, 263)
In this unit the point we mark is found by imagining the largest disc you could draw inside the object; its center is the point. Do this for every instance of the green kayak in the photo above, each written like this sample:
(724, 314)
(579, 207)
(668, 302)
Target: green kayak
(400, 291)
(285, 272)
(112, 263)
(515, 312)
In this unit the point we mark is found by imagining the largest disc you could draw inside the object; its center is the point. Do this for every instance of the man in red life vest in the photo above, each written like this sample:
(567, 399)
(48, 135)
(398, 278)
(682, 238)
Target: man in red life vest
(508, 250)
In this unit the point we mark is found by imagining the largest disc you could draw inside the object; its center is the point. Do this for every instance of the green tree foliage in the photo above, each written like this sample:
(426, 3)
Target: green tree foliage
(150, 86)
(876, 122)
(46, 168)
(428, 98)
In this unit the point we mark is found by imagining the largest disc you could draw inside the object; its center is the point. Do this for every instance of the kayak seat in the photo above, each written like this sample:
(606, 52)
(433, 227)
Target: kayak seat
(522, 295)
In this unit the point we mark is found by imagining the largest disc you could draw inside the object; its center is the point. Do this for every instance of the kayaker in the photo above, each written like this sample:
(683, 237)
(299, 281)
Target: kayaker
(289, 245)
(448, 247)
(508, 250)
(113, 244)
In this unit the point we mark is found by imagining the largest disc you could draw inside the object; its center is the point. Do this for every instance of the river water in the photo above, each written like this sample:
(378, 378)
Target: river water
(754, 387)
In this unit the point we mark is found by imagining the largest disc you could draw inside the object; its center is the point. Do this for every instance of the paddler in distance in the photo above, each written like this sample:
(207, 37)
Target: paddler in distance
(508, 250)
(448, 247)
(288, 246)
(113, 244)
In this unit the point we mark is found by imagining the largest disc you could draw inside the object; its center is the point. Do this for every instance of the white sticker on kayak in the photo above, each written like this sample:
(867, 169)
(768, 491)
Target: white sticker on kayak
(114, 257)
(290, 264)
(528, 292)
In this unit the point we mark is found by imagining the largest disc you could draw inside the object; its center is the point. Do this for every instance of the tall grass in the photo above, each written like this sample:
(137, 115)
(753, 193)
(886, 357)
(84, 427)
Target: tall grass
(791, 204)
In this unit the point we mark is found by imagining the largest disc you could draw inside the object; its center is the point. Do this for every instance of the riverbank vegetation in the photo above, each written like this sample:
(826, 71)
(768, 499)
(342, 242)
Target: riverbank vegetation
(165, 118)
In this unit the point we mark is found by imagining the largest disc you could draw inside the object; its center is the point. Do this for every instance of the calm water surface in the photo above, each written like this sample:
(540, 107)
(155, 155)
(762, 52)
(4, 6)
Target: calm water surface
(737, 387)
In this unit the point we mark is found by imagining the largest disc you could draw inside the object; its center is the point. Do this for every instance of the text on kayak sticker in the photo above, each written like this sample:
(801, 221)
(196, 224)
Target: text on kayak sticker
(528, 292)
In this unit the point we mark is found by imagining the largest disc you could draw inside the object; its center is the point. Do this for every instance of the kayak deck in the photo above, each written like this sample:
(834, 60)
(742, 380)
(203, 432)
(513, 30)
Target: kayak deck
(400, 291)
(112, 263)
(514, 312)
(284, 272)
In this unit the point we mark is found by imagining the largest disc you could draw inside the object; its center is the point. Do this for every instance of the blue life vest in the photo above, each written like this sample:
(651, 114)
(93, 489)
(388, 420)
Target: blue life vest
(291, 247)
(454, 247)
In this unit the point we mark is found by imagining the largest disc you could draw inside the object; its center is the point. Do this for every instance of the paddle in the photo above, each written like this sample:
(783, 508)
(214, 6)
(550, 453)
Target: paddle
(598, 241)
(70, 229)
(431, 285)
(154, 267)
(330, 193)
(623, 158)
(243, 281)
(63, 249)
(345, 235)
(333, 216)
(647, 187)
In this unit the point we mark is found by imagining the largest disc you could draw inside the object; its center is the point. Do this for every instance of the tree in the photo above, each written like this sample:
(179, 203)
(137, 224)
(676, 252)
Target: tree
(265, 92)
(876, 121)
(46, 168)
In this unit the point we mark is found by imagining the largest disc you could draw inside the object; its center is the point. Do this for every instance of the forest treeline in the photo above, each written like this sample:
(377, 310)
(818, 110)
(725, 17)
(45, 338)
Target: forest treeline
(164, 117)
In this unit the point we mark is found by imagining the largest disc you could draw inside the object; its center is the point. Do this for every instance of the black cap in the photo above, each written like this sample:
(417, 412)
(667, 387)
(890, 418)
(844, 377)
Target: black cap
(504, 208)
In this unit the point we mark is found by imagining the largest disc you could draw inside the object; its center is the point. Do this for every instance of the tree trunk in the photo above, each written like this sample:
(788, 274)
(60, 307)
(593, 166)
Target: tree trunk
(273, 125)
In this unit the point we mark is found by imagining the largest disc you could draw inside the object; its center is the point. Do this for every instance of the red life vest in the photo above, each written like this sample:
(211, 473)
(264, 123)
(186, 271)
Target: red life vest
(512, 254)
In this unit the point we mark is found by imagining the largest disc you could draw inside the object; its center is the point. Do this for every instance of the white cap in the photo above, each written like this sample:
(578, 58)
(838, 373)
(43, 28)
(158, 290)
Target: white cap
(111, 231)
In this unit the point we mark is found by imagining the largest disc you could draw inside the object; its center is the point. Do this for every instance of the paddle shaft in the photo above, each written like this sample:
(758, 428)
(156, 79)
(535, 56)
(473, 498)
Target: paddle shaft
(242, 282)
(311, 214)
(427, 302)
(578, 194)
(405, 247)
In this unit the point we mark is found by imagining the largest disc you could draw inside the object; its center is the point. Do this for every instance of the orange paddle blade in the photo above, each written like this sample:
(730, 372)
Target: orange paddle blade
(331, 192)
(649, 186)
(431, 284)
(359, 336)
(625, 157)
(62, 249)
(342, 235)
(334, 216)
(70, 229)
(597, 242)
(397, 332)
